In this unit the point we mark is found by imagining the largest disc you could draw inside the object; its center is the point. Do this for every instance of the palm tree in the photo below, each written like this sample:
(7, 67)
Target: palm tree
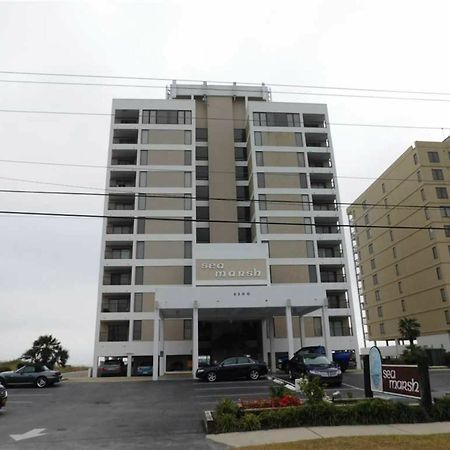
(409, 329)
(48, 351)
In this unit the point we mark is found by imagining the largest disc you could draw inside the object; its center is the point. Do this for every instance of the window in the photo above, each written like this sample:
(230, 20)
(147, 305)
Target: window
(187, 226)
(276, 119)
(435, 252)
(298, 139)
(403, 305)
(380, 311)
(426, 211)
(244, 235)
(262, 200)
(187, 137)
(144, 157)
(143, 179)
(375, 279)
(187, 329)
(243, 214)
(400, 287)
(382, 331)
(202, 193)
(141, 226)
(422, 195)
(310, 249)
(187, 157)
(259, 158)
(441, 192)
(242, 193)
(261, 180)
(433, 157)
(419, 176)
(241, 173)
(201, 134)
(187, 179)
(438, 273)
(264, 225)
(377, 295)
(364, 205)
(201, 153)
(431, 234)
(202, 213)
(385, 201)
(366, 219)
(397, 270)
(447, 317)
(317, 326)
(187, 275)
(437, 174)
(445, 211)
(202, 235)
(187, 201)
(372, 263)
(388, 218)
(447, 230)
(240, 154)
(391, 235)
(301, 159)
(167, 117)
(138, 302)
(140, 250)
(201, 172)
(145, 136)
(394, 252)
(240, 135)
(444, 296)
(312, 274)
(258, 138)
(139, 275)
(415, 159)
(137, 330)
(369, 233)
(187, 249)
(383, 188)
(303, 181)
(370, 248)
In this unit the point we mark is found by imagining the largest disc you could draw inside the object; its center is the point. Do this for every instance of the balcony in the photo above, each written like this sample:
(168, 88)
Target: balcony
(126, 116)
(324, 202)
(114, 331)
(122, 179)
(119, 226)
(319, 160)
(316, 140)
(121, 202)
(314, 121)
(124, 157)
(337, 299)
(327, 225)
(340, 326)
(321, 181)
(124, 136)
(113, 303)
(329, 249)
(117, 276)
(118, 250)
(332, 274)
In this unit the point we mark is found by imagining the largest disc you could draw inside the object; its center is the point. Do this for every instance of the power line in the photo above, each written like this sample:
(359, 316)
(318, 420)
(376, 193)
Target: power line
(119, 167)
(287, 85)
(339, 124)
(191, 219)
(235, 89)
(207, 198)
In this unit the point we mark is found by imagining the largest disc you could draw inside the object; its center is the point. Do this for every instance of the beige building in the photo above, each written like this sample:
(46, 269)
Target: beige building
(222, 234)
(401, 241)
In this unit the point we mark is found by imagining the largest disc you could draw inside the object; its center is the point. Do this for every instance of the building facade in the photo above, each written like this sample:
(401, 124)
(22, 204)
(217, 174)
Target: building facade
(222, 234)
(403, 270)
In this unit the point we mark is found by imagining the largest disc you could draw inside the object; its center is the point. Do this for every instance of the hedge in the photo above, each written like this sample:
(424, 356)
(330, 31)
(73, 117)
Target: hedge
(365, 412)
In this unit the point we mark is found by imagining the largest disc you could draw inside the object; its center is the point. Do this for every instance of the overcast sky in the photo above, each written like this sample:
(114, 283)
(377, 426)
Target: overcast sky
(49, 266)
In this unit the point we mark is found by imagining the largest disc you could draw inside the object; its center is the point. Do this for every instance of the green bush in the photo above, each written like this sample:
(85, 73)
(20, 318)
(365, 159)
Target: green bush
(249, 422)
(313, 389)
(441, 410)
(226, 406)
(447, 359)
(5, 368)
(413, 354)
(279, 391)
(226, 423)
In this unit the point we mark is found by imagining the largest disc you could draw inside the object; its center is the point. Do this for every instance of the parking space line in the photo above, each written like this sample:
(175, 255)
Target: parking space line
(353, 387)
(231, 395)
(19, 402)
(212, 388)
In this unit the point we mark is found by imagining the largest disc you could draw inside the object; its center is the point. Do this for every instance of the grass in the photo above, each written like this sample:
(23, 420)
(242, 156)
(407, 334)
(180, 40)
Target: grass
(422, 442)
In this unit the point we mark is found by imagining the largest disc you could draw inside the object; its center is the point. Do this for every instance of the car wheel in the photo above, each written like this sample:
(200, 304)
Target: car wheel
(211, 377)
(41, 382)
(254, 374)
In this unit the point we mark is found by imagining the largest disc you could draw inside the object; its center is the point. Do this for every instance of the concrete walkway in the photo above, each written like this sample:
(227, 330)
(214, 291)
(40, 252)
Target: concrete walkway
(299, 434)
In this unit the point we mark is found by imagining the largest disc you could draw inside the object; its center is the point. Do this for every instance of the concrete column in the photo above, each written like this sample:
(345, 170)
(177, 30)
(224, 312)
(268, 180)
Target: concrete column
(194, 339)
(272, 345)
(162, 359)
(156, 344)
(290, 331)
(264, 340)
(326, 331)
(129, 364)
(95, 367)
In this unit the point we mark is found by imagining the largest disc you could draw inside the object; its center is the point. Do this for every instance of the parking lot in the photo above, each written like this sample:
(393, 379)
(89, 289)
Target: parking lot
(118, 415)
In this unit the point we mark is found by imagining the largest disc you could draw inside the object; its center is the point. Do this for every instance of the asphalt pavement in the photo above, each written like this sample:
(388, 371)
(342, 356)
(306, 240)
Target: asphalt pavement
(128, 415)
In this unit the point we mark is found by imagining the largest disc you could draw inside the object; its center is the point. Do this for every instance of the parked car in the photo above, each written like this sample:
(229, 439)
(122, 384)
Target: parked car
(112, 367)
(232, 369)
(315, 365)
(343, 358)
(144, 369)
(3, 396)
(37, 374)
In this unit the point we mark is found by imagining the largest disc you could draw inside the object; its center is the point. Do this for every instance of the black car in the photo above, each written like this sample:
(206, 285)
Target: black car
(3, 396)
(37, 374)
(315, 365)
(232, 369)
(112, 368)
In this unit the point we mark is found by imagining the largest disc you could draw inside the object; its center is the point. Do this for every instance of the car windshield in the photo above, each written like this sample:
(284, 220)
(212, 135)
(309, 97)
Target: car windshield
(316, 360)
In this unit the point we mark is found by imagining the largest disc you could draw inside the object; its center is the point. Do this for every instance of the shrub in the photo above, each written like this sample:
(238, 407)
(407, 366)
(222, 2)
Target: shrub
(441, 409)
(270, 419)
(226, 406)
(313, 389)
(413, 354)
(249, 422)
(447, 359)
(5, 368)
(226, 423)
(278, 391)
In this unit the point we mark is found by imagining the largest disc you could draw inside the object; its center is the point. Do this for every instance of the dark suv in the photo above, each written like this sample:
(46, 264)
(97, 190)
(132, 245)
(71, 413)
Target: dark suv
(112, 367)
(315, 365)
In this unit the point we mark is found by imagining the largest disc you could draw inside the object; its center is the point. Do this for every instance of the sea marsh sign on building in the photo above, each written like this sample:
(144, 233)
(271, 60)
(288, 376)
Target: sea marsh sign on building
(231, 271)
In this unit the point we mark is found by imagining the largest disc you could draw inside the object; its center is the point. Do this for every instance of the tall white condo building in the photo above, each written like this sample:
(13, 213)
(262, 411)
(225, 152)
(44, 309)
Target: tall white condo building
(222, 235)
